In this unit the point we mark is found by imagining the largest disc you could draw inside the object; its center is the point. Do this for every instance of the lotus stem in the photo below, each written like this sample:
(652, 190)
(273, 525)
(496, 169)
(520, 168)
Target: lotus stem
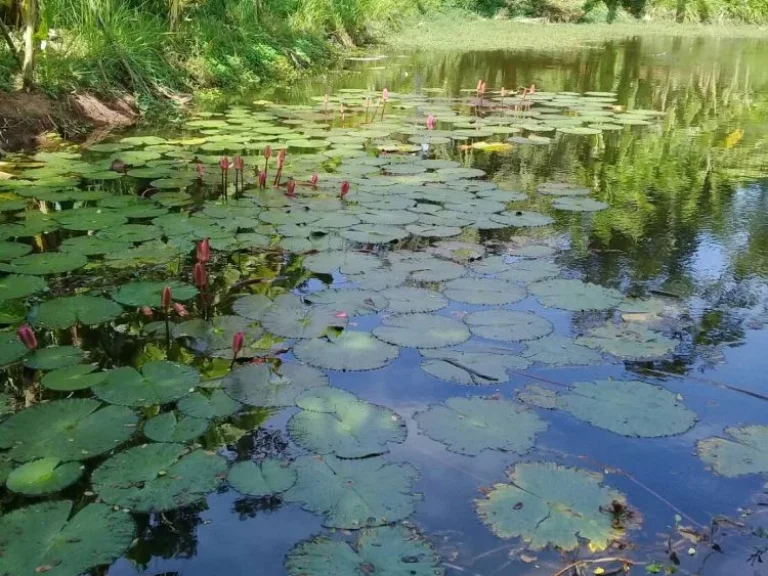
(383, 107)
(375, 111)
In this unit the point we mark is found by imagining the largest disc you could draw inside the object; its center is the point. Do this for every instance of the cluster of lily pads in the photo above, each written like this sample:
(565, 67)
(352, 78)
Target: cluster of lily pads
(168, 234)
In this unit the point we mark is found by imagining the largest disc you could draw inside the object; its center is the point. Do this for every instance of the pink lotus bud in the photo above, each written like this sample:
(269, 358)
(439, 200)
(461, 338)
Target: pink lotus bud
(237, 344)
(200, 169)
(224, 163)
(165, 299)
(479, 86)
(268, 152)
(180, 309)
(385, 95)
(238, 163)
(200, 276)
(341, 315)
(27, 337)
(147, 311)
(290, 188)
(430, 122)
(262, 179)
(281, 158)
(204, 250)
(313, 181)
(344, 189)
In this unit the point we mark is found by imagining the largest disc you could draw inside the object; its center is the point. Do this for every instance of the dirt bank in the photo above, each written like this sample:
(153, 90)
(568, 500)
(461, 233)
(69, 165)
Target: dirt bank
(27, 119)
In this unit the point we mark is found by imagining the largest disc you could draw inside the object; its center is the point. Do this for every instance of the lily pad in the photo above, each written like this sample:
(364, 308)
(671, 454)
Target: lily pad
(42, 538)
(350, 302)
(12, 250)
(351, 350)
(87, 310)
(421, 331)
(138, 294)
(579, 205)
(200, 405)
(472, 365)
(742, 451)
(522, 219)
(354, 494)
(387, 551)
(43, 476)
(508, 325)
(158, 383)
(157, 477)
(11, 348)
(575, 295)
(345, 262)
(54, 357)
(471, 425)
(407, 300)
(15, 286)
(251, 306)
(259, 385)
(45, 263)
(484, 291)
(628, 340)
(559, 351)
(85, 219)
(374, 233)
(75, 429)
(77, 377)
(268, 478)
(336, 422)
(290, 318)
(214, 338)
(167, 427)
(546, 504)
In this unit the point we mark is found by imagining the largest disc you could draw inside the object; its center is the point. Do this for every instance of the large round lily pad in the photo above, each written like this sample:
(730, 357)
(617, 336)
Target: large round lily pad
(260, 385)
(409, 300)
(53, 357)
(138, 294)
(77, 377)
(157, 383)
(11, 348)
(354, 494)
(158, 477)
(43, 476)
(168, 427)
(387, 551)
(45, 263)
(742, 451)
(472, 365)
(560, 351)
(350, 302)
(290, 318)
(82, 309)
(546, 504)
(421, 331)
(43, 539)
(16, 286)
(345, 262)
(216, 405)
(508, 325)
(486, 291)
(471, 425)
(628, 340)
(251, 306)
(214, 338)
(350, 350)
(333, 421)
(268, 478)
(575, 295)
(75, 429)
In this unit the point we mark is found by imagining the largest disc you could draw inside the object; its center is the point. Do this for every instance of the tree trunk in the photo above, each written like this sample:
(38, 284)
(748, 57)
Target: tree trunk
(29, 12)
(680, 15)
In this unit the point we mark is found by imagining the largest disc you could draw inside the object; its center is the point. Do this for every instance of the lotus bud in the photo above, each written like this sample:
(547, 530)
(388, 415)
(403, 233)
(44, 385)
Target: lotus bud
(27, 337)
(479, 86)
(200, 169)
(180, 309)
(344, 189)
(313, 181)
(200, 276)
(482, 88)
(385, 95)
(204, 250)
(262, 179)
(268, 152)
(281, 158)
(291, 188)
(430, 122)
(238, 163)
(147, 311)
(224, 163)
(237, 344)
(341, 315)
(165, 300)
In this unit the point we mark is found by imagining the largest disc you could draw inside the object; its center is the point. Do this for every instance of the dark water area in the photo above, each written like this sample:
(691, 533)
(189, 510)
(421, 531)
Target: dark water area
(685, 230)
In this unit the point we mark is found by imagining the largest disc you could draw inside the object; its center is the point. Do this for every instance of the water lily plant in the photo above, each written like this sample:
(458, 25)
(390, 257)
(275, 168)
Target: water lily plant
(384, 98)
(239, 165)
(344, 190)
(313, 180)
(290, 188)
(27, 337)
(238, 340)
(267, 155)
(280, 164)
(203, 250)
(263, 179)
(224, 167)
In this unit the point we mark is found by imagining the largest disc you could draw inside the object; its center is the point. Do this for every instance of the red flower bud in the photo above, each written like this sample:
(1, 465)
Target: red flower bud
(268, 152)
(281, 158)
(479, 86)
(344, 189)
(204, 250)
(147, 311)
(262, 179)
(291, 188)
(313, 181)
(180, 309)
(165, 300)
(224, 163)
(385, 95)
(200, 276)
(237, 344)
(430, 122)
(482, 88)
(27, 337)
(238, 163)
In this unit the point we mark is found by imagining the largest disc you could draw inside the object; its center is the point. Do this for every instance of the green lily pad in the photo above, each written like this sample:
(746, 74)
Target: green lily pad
(15, 286)
(472, 365)
(575, 295)
(138, 294)
(45, 263)
(43, 476)
(77, 377)
(13, 250)
(75, 429)
(628, 340)
(508, 325)
(484, 291)
(92, 245)
(251, 306)
(350, 350)
(350, 302)
(354, 494)
(54, 357)
(158, 477)
(423, 267)
(158, 383)
(200, 405)
(85, 219)
(521, 219)
(214, 338)
(743, 451)
(378, 279)
(471, 425)
(268, 478)
(166, 427)
(42, 538)
(388, 551)
(290, 318)
(129, 233)
(259, 385)
(550, 505)
(407, 300)
(421, 331)
(87, 310)
(579, 205)
(373, 233)
(629, 408)
(336, 422)
(11, 348)
(559, 351)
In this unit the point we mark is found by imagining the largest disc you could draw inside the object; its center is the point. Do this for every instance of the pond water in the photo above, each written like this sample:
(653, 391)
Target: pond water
(504, 332)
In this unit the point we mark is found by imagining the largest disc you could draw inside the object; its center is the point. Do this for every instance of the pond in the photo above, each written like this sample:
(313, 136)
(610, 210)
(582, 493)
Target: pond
(478, 313)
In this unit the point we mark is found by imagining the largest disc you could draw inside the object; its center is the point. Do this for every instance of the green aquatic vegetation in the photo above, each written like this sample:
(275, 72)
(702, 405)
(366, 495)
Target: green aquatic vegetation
(350, 350)
(268, 478)
(70, 311)
(168, 427)
(421, 331)
(741, 451)
(507, 325)
(261, 385)
(575, 295)
(157, 383)
(43, 476)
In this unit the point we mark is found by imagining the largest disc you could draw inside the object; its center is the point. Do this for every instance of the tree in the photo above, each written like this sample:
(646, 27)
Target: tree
(29, 14)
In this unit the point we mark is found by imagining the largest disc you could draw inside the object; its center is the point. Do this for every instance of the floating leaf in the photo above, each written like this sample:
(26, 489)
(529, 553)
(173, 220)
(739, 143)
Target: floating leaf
(483, 291)
(579, 205)
(138, 294)
(354, 494)
(11, 348)
(471, 425)
(12, 250)
(54, 357)
(387, 551)
(350, 302)
(290, 318)
(374, 233)
(628, 340)
(259, 385)
(157, 477)
(521, 219)
(268, 478)
(61, 313)
(217, 405)
(15, 286)
(345, 262)
(45, 263)
(575, 295)
(508, 325)
(166, 427)
(43, 539)
(559, 351)
(743, 451)
(550, 505)
(251, 306)
(421, 331)
(336, 422)
(157, 383)
(350, 350)
(43, 476)
(77, 377)
(74, 429)
(472, 365)
(214, 338)
(85, 219)
(407, 300)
